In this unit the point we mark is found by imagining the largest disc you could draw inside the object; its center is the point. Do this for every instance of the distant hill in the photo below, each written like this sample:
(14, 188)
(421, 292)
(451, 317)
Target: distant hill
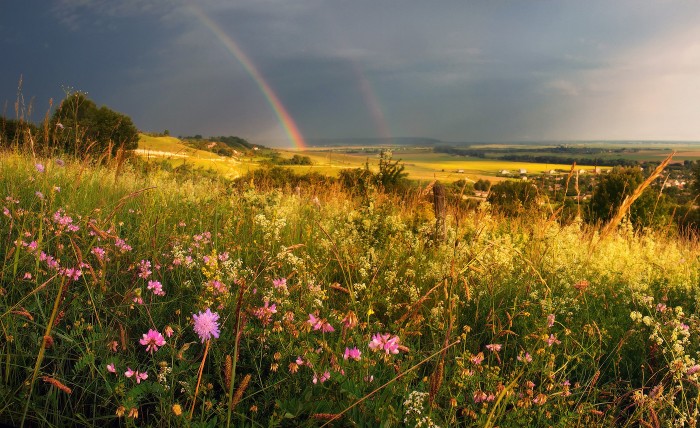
(370, 142)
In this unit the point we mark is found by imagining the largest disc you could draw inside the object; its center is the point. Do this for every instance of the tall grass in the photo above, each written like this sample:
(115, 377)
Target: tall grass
(332, 309)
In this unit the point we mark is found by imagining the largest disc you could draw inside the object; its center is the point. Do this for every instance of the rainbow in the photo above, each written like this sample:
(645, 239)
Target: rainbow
(290, 127)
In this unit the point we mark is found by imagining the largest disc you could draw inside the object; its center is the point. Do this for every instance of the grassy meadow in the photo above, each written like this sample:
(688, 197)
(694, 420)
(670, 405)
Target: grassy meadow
(145, 299)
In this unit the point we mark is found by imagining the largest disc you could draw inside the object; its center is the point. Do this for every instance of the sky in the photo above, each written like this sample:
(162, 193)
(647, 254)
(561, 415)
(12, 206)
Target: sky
(280, 71)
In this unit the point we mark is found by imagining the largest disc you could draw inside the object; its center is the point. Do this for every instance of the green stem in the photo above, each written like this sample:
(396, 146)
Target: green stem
(42, 349)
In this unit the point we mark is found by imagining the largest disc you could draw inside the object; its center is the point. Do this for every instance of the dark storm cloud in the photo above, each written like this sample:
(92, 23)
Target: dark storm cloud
(454, 70)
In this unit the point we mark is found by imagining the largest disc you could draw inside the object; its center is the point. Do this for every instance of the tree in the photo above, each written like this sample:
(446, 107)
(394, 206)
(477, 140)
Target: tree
(513, 197)
(482, 185)
(79, 126)
(613, 187)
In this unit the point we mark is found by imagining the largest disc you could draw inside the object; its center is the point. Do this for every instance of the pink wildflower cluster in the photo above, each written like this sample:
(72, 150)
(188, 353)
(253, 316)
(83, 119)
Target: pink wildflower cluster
(481, 397)
(152, 340)
(494, 347)
(264, 313)
(156, 287)
(71, 273)
(320, 324)
(352, 354)
(206, 325)
(50, 261)
(122, 246)
(145, 269)
(99, 253)
(31, 247)
(218, 286)
(138, 376)
(550, 320)
(385, 342)
(324, 377)
(64, 221)
(552, 340)
(280, 283)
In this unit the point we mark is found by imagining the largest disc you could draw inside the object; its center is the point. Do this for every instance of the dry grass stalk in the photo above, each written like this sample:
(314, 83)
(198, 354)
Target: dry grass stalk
(240, 390)
(324, 416)
(57, 383)
(228, 366)
(629, 200)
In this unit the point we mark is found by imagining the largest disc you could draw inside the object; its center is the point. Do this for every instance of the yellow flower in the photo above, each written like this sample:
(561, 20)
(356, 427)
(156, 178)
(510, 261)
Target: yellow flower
(177, 409)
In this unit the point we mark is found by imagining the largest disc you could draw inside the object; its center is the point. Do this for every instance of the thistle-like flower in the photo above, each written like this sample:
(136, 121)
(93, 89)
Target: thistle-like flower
(206, 325)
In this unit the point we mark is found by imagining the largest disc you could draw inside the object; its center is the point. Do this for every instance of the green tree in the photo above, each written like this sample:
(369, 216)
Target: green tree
(612, 188)
(513, 197)
(80, 127)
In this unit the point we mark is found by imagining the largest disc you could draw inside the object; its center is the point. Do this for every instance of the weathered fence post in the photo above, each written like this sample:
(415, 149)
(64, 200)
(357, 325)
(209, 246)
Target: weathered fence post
(439, 207)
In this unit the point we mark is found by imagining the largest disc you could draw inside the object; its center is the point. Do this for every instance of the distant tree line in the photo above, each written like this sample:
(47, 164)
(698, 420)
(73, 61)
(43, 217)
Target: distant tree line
(514, 156)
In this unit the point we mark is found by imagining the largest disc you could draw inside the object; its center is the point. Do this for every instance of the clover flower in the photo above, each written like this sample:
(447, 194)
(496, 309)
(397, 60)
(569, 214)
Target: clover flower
(320, 324)
(206, 325)
(352, 354)
(152, 340)
(136, 374)
(156, 287)
(264, 313)
(385, 342)
(494, 347)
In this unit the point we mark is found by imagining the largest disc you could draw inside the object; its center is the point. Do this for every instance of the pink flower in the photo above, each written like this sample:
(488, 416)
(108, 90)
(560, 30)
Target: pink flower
(550, 320)
(494, 347)
(385, 342)
(324, 377)
(206, 324)
(280, 283)
(144, 269)
(169, 331)
(320, 324)
(152, 340)
(111, 368)
(477, 359)
(136, 374)
(300, 361)
(352, 354)
(39, 167)
(156, 287)
(661, 307)
(526, 357)
(553, 340)
(264, 313)
(99, 253)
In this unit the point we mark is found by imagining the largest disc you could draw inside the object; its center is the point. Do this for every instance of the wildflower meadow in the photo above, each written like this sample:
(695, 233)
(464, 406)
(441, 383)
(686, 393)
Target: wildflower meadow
(135, 297)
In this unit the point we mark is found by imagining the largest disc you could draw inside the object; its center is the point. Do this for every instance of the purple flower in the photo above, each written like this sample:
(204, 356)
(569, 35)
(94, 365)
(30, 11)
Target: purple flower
(206, 325)
(152, 340)
(39, 167)
(352, 354)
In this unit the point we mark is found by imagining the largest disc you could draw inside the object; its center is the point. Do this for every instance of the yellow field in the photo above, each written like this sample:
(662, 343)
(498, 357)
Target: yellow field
(421, 164)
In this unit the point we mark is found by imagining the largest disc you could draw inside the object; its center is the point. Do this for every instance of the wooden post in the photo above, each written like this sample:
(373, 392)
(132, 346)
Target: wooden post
(439, 207)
